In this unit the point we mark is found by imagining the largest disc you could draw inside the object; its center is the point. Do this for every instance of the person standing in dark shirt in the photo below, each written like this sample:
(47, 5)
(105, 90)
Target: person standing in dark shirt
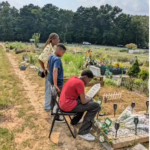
(56, 75)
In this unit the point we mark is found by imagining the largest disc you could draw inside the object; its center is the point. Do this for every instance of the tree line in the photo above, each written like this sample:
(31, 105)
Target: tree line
(106, 25)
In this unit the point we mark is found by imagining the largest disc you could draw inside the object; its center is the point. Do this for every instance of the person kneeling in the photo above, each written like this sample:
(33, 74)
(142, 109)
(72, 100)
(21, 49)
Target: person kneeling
(73, 99)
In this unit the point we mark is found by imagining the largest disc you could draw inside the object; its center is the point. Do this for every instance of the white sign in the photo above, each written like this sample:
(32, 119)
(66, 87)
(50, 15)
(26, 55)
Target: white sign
(94, 90)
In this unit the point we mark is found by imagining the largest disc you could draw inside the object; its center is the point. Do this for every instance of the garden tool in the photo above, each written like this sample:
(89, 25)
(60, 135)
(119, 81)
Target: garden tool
(132, 105)
(136, 121)
(147, 104)
(117, 125)
(23, 67)
(115, 108)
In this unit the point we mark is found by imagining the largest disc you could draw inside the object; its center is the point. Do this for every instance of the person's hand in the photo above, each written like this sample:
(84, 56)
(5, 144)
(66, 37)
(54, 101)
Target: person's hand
(57, 88)
(45, 73)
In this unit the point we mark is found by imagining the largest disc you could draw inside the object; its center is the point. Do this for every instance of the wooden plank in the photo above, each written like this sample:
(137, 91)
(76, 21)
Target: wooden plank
(128, 141)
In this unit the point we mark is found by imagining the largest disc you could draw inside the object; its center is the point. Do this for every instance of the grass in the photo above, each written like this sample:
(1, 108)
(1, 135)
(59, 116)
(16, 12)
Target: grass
(12, 95)
(6, 139)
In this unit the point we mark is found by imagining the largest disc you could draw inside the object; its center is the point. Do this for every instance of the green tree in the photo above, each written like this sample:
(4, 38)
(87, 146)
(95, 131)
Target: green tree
(133, 73)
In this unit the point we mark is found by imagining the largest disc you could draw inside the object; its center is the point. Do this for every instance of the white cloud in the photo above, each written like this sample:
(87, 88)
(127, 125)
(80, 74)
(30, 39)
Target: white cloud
(139, 7)
(134, 7)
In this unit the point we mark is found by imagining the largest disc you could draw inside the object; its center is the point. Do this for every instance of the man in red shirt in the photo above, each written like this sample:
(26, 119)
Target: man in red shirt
(73, 99)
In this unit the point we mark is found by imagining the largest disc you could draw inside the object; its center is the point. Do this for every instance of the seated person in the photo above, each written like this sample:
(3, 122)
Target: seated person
(73, 99)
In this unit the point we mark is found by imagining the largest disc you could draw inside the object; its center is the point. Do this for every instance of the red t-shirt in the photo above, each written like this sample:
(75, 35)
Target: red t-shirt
(70, 92)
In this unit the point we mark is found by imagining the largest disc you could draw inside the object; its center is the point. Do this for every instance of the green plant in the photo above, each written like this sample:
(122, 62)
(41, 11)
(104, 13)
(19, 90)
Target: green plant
(118, 65)
(36, 37)
(123, 59)
(68, 57)
(146, 64)
(32, 59)
(124, 50)
(6, 138)
(107, 49)
(141, 86)
(140, 63)
(131, 46)
(109, 82)
(134, 69)
(143, 74)
(138, 81)
(133, 72)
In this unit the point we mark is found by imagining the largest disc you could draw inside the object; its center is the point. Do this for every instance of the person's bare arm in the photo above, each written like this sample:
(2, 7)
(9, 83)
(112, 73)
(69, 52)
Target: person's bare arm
(48, 66)
(84, 99)
(55, 76)
(43, 67)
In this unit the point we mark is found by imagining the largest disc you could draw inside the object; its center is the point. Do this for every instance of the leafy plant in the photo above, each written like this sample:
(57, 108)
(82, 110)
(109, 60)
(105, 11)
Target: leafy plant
(143, 74)
(68, 57)
(131, 46)
(133, 72)
(134, 69)
(118, 65)
(110, 82)
(36, 37)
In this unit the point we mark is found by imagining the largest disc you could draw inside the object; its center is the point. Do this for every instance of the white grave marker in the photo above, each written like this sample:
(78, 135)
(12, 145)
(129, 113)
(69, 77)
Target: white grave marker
(96, 71)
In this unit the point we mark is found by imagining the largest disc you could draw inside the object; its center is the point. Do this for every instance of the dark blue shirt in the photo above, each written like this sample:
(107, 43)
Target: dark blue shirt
(55, 62)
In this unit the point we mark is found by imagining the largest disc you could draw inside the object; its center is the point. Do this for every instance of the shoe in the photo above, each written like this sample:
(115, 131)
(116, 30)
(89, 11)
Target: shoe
(80, 121)
(47, 109)
(88, 137)
(59, 119)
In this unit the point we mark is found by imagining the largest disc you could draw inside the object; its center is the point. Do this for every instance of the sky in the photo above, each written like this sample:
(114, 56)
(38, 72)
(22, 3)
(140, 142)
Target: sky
(133, 7)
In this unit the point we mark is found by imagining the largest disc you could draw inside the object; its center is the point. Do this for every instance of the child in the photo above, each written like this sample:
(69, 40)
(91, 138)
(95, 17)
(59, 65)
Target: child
(73, 99)
(56, 74)
(43, 58)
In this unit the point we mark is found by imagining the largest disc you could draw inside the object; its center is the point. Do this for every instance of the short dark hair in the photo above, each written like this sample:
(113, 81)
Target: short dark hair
(61, 46)
(87, 73)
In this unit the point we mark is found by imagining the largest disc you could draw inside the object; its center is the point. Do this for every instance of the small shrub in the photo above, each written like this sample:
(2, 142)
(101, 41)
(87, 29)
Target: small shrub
(124, 50)
(107, 49)
(138, 81)
(140, 63)
(118, 65)
(110, 82)
(134, 69)
(144, 74)
(123, 59)
(36, 37)
(146, 64)
(131, 46)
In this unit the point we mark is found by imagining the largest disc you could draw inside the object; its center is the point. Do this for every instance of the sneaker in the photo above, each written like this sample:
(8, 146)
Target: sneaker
(80, 121)
(59, 120)
(88, 137)
(47, 109)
